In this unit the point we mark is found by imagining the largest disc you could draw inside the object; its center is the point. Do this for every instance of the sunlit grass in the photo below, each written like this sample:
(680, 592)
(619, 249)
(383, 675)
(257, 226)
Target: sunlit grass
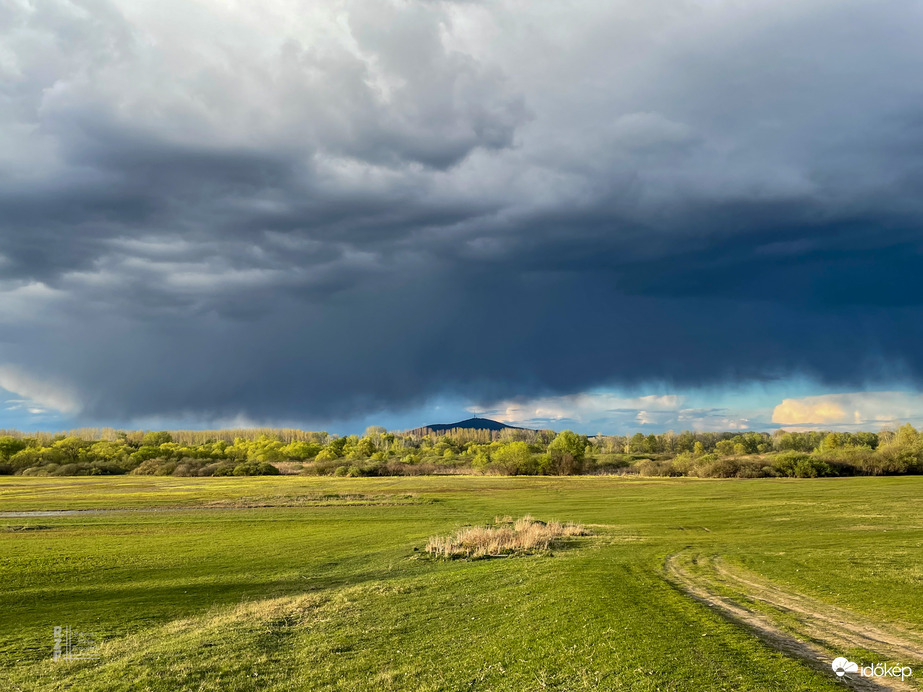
(280, 590)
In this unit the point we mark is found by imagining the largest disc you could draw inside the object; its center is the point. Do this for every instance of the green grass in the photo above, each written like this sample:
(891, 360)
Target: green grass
(332, 597)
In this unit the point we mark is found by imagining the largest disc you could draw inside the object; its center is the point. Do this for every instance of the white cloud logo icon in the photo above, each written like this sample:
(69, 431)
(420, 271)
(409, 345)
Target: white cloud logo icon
(841, 666)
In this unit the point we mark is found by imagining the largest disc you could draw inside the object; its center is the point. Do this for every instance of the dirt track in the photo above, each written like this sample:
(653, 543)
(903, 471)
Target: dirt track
(813, 631)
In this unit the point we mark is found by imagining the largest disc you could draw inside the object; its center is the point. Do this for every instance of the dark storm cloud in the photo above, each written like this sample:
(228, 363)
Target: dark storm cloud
(220, 212)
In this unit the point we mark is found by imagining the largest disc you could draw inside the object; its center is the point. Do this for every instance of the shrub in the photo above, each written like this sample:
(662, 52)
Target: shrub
(649, 467)
(608, 463)
(799, 465)
(155, 467)
(849, 456)
(898, 458)
(189, 467)
(46, 470)
(707, 467)
(255, 468)
(752, 469)
(26, 458)
(683, 463)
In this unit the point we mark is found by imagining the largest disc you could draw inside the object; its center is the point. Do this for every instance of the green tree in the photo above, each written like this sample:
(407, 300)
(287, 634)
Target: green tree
(725, 448)
(336, 447)
(365, 448)
(636, 443)
(567, 452)
(513, 458)
(155, 439)
(301, 450)
(71, 448)
(10, 445)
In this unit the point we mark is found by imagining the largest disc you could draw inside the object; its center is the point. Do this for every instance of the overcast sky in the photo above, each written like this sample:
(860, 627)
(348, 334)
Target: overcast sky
(611, 215)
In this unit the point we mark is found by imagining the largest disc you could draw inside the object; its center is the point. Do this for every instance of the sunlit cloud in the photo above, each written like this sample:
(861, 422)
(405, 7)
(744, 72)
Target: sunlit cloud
(868, 410)
(583, 408)
(711, 420)
(612, 414)
(38, 394)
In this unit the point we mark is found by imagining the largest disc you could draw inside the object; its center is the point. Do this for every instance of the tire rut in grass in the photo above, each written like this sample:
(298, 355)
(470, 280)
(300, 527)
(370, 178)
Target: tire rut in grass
(814, 631)
(825, 622)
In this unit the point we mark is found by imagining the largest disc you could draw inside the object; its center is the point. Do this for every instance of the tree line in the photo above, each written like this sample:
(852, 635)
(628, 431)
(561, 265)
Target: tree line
(379, 452)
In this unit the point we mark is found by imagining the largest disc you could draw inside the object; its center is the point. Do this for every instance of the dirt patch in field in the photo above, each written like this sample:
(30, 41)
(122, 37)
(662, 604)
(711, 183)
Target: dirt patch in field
(318, 500)
(25, 527)
(256, 502)
(795, 624)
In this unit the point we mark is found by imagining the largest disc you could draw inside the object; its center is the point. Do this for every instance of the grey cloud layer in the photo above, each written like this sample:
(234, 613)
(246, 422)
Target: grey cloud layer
(282, 212)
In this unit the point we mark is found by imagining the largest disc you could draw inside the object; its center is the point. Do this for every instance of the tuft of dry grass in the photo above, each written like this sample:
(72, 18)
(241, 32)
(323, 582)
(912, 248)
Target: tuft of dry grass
(505, 537)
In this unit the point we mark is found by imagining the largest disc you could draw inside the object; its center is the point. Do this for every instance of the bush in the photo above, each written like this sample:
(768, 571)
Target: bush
(255, 468)
(649, 467)
(856, 458)
(753, 469)
(189, 467)
(351, 471)
(707, 467)
(46, 470)
(609, 463)
(154, 467)
(895, 458)
(799, 465)
(26, 458)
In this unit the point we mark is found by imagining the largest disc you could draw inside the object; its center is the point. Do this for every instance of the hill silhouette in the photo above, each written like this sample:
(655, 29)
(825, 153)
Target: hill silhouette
(468, 424)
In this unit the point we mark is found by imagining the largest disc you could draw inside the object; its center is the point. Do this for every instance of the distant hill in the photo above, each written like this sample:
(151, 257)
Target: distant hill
(469, 424)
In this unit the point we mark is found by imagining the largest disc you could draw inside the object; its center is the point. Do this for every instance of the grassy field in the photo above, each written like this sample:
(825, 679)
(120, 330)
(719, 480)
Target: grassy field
(290, 583)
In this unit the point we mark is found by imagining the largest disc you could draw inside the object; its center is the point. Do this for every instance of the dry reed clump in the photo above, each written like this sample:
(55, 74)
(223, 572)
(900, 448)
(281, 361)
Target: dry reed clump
(505, 537)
